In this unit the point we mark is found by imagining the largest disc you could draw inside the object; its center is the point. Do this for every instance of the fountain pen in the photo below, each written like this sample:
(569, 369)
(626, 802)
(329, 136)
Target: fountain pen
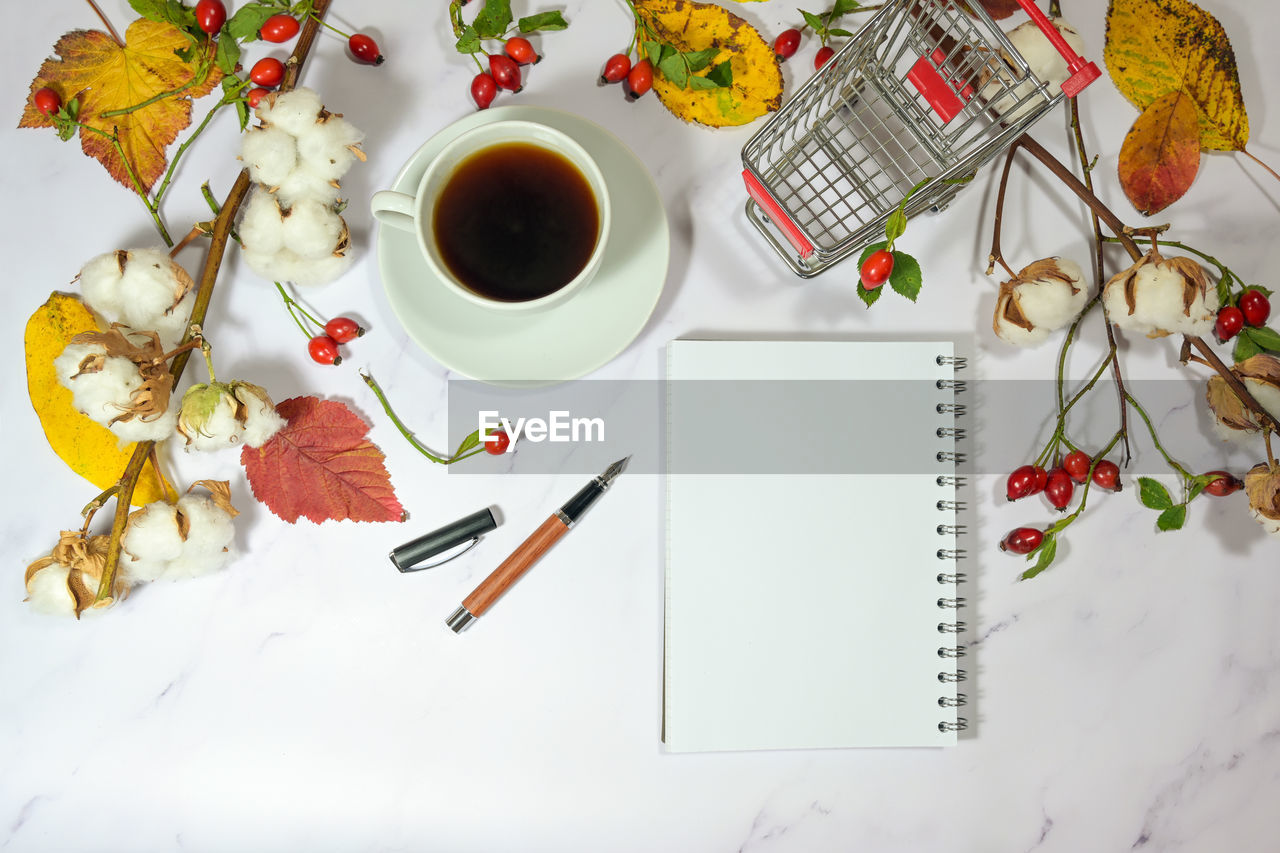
(531, 550)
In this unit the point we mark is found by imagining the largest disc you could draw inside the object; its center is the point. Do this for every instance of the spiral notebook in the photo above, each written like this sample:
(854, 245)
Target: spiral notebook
(811, 583)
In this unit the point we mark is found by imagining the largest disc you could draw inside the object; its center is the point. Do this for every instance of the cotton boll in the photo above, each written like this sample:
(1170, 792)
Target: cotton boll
(209, 536)
(321, 271)
(261, 224)
(142, 288)
(266, 264)
(217, 415)
(171, 327)
(270, 153)
(47, 591)
(1159, 297)
(293, 112)
(262, 421)
(220, 428)
(150, 542)
(102, 394)
(1042, 298)
(328, 148)
(312, 230)
(1046, 64)
(1262, 485)
(304, 184)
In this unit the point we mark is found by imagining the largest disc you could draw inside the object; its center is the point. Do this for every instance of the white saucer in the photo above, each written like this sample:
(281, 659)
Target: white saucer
(563, 342)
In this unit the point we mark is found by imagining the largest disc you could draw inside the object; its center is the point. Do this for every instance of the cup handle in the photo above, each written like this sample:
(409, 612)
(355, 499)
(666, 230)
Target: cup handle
(394, 209)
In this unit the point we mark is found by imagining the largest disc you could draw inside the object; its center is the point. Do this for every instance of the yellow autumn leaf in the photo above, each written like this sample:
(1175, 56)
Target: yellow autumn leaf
(107, 76)
(1155, 47)
(90, 449)
(689, 26)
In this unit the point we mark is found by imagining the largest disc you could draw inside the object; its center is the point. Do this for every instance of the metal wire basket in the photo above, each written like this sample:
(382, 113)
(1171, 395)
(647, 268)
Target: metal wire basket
(925, 93)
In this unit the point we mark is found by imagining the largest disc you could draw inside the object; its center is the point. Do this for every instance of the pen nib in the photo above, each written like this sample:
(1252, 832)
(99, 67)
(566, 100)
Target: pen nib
(613, 470)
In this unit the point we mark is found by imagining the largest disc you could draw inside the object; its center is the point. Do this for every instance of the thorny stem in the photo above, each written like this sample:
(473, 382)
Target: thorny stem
(1087, 172)
(996, 255)
(407, 433)
(207, 352)
(173, 164)
(185, 241)
(114, 138)
(1058, 433)
(217, 246)
(1173, 463)
(1260, 163)
(92, 507)
(1064, 522)
(110, 29)
(293, 305)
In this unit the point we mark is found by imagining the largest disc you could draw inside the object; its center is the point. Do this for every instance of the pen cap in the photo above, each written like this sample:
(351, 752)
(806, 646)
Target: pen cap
(409, 556)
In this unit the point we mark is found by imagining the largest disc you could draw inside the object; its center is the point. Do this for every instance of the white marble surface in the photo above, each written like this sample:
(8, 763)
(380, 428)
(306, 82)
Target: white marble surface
(310, 698)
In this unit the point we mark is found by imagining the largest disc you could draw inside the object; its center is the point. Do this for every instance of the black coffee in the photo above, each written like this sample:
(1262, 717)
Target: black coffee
(516, 222)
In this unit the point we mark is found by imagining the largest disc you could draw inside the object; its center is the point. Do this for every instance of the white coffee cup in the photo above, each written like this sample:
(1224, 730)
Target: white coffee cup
(416, 213)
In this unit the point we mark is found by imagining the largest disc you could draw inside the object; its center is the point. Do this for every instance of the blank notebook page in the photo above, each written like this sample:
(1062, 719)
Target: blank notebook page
(803, 608)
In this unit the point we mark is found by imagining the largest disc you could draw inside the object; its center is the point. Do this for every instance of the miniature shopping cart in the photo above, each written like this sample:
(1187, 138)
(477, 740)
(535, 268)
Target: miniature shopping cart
(925, 93)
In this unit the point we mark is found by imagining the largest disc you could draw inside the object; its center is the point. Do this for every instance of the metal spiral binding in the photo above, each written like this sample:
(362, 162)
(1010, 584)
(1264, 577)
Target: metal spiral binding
(951, 628)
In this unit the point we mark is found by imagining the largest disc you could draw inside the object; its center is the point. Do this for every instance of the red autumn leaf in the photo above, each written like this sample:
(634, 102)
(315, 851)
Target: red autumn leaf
(1161, 154)
(322, 466)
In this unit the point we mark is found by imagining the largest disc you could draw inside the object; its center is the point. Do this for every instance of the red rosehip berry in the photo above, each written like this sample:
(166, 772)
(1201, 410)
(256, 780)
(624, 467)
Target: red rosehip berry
(1223, 484)
(787, 43)
(1042, 480)
(505, 72)
(324, 350)
(210, 15)
(616, 68)
(255, 97)
(1077, 464)
(1106, 475)
(47, 101)
(365, 49)
(1022, 540)
(1059, 488)
(521, 51)
(639, 79)
(278, 28)
(483, 90)
(1021, 483)
(497, 442)
(343, 329)
(824, 53)
(1255, 306)
(1229, 323)
(268, 72)
(876, 269)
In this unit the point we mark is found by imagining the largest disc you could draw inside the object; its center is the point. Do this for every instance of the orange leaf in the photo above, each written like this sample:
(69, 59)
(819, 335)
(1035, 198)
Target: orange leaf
(321, 465)
(106, 77)
(1161, 155)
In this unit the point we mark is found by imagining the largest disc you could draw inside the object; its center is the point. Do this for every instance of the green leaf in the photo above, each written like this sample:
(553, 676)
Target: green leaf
(1153, 494)
(152, 10)
(493, 19)
(543, 21)
(242, 112)
(1264, 337)
(813, 21)
(247, 20)
(838, 32)
(469, 41)
(698, 83)
(844, 7)
(1172, 518)
(1197, 486)
(1044, 555)
(722, 74)
(472, 440)
(906, 277)
(1224, 291)
(226, 58)
(1265, 291)
(652, 52)
(896, 226)
(1246, 347)
(869, 296)
(699, 59)
(673, 68)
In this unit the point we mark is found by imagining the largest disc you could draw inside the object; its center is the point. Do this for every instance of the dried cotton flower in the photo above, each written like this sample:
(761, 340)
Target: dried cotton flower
(1158, 297)
(1232, 420)
(1042, 298)
(217, 415)
(1262, 485)
(119, 383)
(66, 581)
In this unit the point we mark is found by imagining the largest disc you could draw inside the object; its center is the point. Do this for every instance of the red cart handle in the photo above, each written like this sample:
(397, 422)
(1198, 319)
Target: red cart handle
(1083, 72)
(777, 215)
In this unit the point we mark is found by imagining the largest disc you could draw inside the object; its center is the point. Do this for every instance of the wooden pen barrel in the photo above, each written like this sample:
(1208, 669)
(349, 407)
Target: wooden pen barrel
(541, 540)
